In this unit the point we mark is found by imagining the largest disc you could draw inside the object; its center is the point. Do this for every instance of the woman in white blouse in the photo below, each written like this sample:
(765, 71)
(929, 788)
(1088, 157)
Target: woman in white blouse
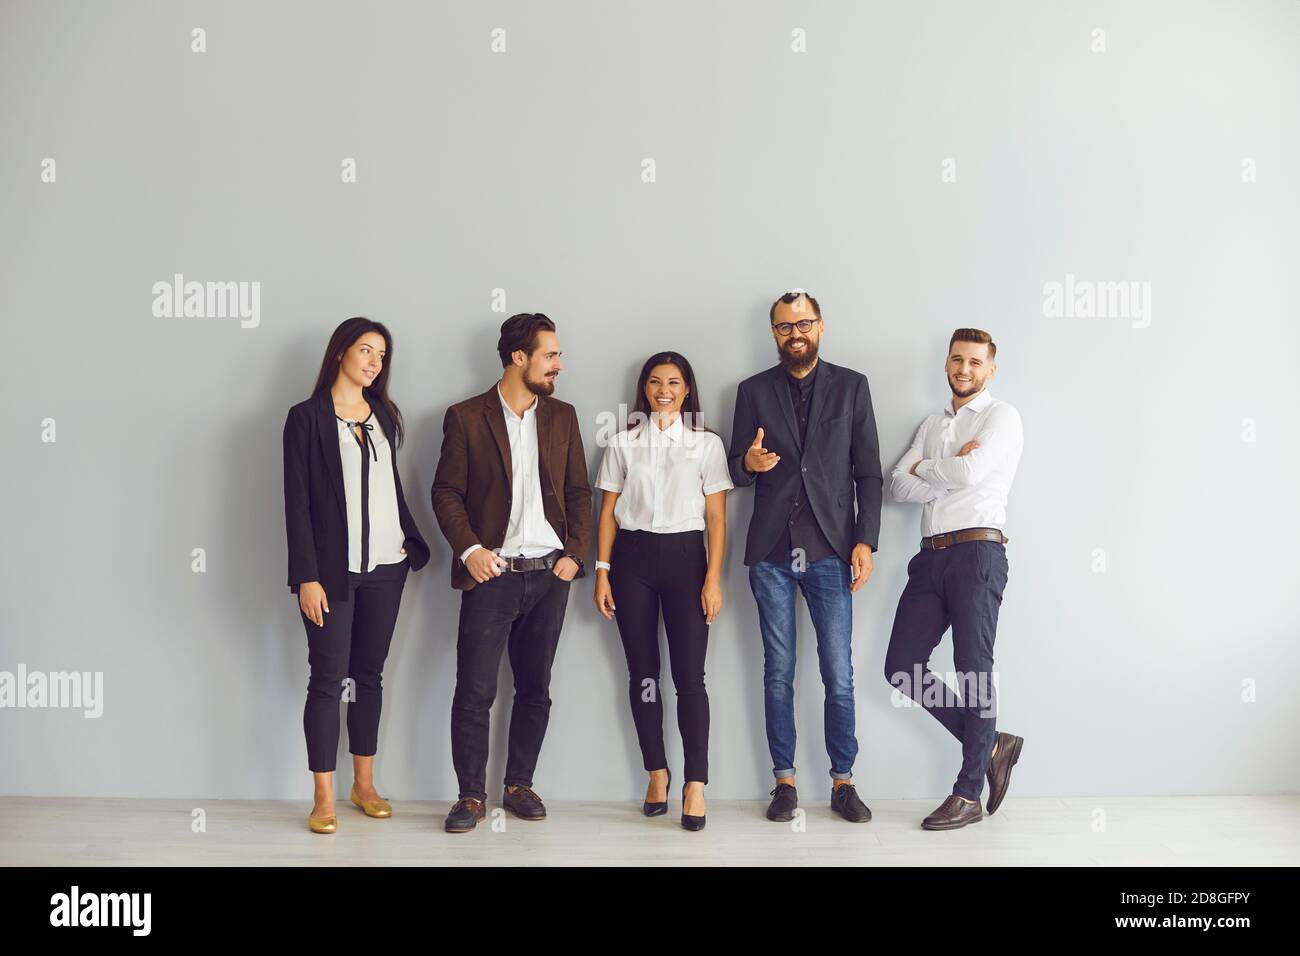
(351, 542)
(665, 484)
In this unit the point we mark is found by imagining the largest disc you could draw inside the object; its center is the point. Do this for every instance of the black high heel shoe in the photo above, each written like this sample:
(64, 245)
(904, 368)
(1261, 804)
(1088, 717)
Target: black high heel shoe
(657, 809)
(689, 822)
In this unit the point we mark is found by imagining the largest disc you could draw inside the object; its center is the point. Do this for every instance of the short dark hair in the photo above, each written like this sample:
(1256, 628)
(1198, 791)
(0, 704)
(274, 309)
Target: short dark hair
(519, 332)
(978, 336)
(790, 297)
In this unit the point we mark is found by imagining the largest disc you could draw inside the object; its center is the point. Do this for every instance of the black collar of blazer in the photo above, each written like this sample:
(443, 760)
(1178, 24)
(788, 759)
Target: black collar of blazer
(327, 431)
(827, 379)
(496, 419)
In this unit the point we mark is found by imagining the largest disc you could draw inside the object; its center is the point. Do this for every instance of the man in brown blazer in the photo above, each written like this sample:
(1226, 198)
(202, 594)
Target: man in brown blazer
(512, 499)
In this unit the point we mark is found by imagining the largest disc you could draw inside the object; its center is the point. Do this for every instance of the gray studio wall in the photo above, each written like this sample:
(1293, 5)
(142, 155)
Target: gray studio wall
(1168, 442)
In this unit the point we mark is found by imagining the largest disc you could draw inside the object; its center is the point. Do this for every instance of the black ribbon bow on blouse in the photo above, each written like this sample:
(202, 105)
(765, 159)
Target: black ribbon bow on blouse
(364, 438)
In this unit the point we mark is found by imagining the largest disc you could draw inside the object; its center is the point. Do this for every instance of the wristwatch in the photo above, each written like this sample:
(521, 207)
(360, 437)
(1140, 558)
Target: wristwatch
(576, 560)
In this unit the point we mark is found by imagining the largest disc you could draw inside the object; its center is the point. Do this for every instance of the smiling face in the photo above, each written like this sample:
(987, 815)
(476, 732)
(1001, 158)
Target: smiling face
(541, 367)
(797, 348)
(968, 367)
(364, 359)
(665, 390)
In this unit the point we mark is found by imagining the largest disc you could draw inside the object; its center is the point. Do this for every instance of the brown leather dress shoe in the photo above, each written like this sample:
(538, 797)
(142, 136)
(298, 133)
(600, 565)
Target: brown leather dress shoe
(465, 815)
(523, 803)
(1000, 768)
(954, 812)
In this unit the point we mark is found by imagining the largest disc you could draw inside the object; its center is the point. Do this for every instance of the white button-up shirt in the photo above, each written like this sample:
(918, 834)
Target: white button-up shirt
(386, 535)
(962, 491)
(529, 534)
(662, 476)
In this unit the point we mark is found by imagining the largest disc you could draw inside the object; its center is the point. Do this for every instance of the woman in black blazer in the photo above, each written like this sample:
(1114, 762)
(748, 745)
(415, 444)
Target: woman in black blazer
(351, 542)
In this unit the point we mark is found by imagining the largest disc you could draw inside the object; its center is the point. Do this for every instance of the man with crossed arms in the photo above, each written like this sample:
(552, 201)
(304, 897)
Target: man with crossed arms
(960, 468)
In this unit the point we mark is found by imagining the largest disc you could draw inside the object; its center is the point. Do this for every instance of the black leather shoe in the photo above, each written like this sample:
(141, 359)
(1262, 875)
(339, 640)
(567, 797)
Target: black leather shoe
(846, 802)
(465, 815)
(954, 812)
(1000, 768)
(689, 822)
(523, 803)
(784, 801)
(658, 809)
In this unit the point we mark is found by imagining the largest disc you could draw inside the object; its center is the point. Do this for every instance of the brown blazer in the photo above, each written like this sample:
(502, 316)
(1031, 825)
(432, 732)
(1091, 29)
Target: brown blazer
(472, 486)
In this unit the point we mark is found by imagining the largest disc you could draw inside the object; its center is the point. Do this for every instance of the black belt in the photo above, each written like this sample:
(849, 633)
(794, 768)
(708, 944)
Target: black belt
(531, 564)
(937, 542)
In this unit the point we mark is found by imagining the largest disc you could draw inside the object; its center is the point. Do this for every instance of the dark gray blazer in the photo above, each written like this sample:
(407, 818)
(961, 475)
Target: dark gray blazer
(839, 466)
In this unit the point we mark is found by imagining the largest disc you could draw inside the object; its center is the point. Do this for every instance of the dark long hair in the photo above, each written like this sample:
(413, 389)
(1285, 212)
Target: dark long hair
(690, 404)
(377, 391)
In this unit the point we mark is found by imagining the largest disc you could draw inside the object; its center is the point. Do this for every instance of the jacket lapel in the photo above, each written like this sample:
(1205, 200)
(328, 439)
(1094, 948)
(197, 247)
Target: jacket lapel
(496, 419)
(545, 436)
(820, 388)
(328, 434)
(782, 389)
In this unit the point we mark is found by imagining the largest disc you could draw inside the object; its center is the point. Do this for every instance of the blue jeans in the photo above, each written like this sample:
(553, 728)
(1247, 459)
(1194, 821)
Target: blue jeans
(825, 586)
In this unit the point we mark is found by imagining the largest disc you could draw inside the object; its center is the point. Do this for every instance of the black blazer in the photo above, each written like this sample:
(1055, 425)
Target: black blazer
(315, 506)
(840, 465)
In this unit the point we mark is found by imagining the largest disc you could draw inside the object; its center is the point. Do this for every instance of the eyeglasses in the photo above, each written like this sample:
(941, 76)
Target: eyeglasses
(803, 325)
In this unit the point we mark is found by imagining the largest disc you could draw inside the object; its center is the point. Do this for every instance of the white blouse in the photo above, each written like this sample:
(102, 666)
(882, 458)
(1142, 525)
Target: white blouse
(663, 475)
(386, 536)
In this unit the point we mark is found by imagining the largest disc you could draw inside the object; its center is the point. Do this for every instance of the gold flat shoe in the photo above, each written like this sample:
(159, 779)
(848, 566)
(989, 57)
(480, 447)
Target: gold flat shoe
(374, 808)
(323, 824)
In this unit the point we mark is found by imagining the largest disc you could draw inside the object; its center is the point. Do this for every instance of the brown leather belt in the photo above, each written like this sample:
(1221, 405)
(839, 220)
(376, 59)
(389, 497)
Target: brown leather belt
(937, 542)
(531, 564)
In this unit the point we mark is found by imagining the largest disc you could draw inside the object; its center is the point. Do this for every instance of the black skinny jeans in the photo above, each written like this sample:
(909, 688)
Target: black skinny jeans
(520, 612)
(353, 643)
(650, 571)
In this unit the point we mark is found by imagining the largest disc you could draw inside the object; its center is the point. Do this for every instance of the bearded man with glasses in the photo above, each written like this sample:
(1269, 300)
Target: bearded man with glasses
(805, 436)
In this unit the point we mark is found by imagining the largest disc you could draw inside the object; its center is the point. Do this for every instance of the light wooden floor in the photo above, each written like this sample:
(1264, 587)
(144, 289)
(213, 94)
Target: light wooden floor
(1082, 831)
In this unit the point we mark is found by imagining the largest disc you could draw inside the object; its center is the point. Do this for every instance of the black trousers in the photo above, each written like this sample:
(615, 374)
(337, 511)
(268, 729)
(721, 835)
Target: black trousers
(352, 644)
(522, 611)
(959, 586)
(649, 572)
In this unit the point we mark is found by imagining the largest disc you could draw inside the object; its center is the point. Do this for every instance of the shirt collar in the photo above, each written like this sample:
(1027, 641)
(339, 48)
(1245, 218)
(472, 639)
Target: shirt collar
(671, 435)
(976, 404)
(510, 411)
(806, 382)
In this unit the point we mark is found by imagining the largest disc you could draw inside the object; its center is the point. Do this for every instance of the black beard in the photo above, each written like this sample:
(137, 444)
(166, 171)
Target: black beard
(798, 363)
(974, 388)
(544, 387)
